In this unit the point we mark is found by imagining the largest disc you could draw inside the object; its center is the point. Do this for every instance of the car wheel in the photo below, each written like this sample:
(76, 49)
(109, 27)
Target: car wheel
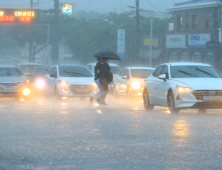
(171, 103)
(57, 94)
(115, 91)
(146, 101)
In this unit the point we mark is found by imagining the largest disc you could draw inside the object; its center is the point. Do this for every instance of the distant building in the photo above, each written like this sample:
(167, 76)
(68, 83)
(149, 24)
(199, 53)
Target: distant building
(195, 33)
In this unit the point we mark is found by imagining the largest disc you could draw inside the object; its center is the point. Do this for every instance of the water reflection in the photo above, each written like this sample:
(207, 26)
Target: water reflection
(181, 131)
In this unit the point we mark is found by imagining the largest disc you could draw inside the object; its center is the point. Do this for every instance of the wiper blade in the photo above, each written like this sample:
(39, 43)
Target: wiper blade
(184, 72)
(205, 72)
(80, 74)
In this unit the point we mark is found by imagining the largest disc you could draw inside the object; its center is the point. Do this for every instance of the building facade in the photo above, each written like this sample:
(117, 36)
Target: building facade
(195, 33)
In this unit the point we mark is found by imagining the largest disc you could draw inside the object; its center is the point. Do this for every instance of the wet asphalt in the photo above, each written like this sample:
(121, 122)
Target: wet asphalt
(45, 133)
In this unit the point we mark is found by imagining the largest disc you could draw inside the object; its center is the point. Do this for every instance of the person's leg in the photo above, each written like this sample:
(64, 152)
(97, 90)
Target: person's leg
(105, 91)
(100, 89)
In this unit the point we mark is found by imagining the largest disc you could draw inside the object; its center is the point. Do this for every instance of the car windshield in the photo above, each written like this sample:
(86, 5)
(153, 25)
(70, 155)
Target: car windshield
(5, 72)
(39, 72)
(74, 71)
(141, 73)
(194, 72)
(27, 68)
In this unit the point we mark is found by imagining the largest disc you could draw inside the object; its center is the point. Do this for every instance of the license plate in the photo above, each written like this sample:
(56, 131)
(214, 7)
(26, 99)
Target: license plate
(212, 98)
(82, 90)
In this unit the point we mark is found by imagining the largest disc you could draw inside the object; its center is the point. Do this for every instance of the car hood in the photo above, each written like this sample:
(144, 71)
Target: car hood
(202, 83)
(78, 80)
(12, 79)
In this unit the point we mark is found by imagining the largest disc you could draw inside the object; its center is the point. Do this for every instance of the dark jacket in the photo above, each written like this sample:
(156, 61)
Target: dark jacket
(105, 73)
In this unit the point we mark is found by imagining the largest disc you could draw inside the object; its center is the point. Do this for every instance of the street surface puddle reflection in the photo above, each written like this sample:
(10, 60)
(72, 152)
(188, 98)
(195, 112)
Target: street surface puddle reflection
(99, 111)
(181, 130)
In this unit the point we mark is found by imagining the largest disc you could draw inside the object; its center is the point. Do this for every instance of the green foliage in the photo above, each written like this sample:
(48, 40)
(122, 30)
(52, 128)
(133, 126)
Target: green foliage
(86, 37)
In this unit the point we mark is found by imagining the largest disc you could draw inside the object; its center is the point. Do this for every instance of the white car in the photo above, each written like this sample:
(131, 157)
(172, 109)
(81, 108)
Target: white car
(130, 81)
(183, 85)
(114, 67)
(69, 81)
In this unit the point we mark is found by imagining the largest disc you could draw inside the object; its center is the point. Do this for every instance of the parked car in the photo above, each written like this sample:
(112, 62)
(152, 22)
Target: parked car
(183, 85)
(69, 81)
(129, 82)
(28, 67)
(37, 78)
(114, 67)
(13, 83)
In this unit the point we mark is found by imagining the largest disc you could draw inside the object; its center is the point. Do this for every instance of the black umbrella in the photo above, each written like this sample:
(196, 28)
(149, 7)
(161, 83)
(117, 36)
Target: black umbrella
(107, 54)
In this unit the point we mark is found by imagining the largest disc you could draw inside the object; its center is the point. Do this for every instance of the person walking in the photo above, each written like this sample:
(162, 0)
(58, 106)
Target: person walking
(106, 77)
(98, 94)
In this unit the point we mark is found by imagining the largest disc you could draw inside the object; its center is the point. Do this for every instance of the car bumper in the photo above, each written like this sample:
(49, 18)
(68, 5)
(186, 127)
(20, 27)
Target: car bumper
(13, 92)
(66, 91)
(188, 100)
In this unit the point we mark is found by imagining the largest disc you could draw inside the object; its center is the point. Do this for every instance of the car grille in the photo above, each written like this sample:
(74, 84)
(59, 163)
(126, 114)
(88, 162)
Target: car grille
(201, 93)
(81, 89)
(10, 84)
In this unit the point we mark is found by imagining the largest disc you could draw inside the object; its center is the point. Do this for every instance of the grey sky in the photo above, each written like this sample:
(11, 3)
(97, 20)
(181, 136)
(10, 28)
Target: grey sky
(101, 6)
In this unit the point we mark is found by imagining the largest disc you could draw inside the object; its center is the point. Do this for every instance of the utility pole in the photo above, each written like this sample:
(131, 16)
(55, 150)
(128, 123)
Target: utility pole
(55, 57)
(137, 30)
(30, 42)
(151, 38)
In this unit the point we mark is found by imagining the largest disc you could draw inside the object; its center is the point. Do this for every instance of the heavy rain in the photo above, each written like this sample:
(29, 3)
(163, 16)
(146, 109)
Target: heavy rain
(110, 84)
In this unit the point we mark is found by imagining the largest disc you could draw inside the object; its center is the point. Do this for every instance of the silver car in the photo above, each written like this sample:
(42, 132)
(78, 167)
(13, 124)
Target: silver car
(13, 83)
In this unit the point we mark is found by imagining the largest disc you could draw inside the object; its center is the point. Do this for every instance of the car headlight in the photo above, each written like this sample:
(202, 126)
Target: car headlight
(136, 85)
(183, 89)
(63, 83)
(26, 91)
(40, 84)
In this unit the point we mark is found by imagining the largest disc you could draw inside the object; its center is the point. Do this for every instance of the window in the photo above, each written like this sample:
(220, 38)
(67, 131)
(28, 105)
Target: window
(126, 73)
(141, 73)
(5, 72)
(191, 71)
(196, 57)
(39, 72)
(184, 57)
(158, 71)
(165, 71)
(194, 22)
(55, 72)
(51, 70)
(173, 57)
(74, 71)
(179, 22)
(186, 25)
(122, 72)
(89, 67)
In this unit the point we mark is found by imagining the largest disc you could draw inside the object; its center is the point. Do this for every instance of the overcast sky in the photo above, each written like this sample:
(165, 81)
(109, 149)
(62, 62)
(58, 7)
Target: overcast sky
(102, 6)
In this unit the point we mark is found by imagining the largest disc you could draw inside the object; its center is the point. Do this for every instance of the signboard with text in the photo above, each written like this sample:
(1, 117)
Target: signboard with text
(18, 15)
(155, 43)
(198, 40)
(176, 41)
(121, 43)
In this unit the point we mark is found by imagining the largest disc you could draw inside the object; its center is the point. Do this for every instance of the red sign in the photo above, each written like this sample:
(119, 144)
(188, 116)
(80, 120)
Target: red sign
(7, 18)
(25, 19)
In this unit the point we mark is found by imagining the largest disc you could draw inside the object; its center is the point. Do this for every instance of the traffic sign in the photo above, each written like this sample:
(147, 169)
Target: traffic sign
(18, 15)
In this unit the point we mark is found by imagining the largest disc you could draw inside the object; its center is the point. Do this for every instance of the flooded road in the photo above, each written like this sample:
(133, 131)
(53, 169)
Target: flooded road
(73, 134)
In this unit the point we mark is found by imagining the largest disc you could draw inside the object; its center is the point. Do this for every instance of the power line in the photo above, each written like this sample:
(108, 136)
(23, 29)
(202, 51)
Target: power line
(155, 7)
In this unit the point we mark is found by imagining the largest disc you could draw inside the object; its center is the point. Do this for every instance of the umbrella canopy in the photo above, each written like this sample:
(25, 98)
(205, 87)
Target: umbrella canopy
(107, 54)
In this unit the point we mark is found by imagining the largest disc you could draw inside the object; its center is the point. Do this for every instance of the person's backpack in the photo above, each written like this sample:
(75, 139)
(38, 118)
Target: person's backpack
(109, 77)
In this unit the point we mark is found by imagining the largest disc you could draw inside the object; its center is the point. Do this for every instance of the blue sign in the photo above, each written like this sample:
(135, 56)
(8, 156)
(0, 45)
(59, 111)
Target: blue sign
(198, 40)
(121, 43)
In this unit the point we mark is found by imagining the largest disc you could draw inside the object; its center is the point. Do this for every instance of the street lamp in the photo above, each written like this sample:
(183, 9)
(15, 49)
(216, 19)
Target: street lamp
(151, 32)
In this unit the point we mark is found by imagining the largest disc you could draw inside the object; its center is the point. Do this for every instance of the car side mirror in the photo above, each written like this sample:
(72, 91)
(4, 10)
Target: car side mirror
(162, 76)
(124, 77)
(27, 74)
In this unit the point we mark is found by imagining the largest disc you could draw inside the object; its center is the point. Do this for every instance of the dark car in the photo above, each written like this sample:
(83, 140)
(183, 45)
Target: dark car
(37, 78)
